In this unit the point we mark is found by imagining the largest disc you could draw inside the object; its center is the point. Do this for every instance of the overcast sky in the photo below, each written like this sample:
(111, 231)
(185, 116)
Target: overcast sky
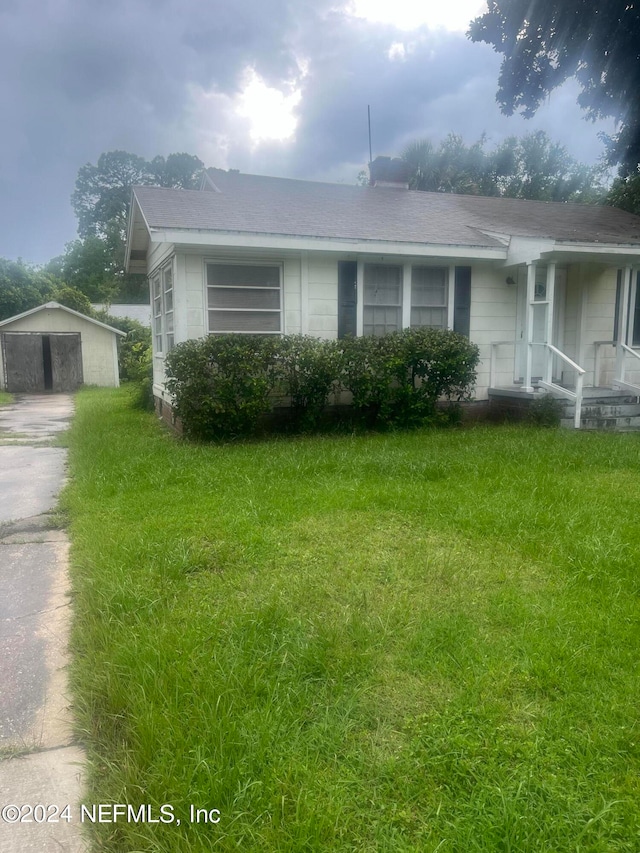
(276, 87)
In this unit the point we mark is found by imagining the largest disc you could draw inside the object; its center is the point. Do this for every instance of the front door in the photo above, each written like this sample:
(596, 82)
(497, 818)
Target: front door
(540, 309)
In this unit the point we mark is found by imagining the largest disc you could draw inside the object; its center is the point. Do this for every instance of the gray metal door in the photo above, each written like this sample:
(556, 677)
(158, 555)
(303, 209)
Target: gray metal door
(23, 362)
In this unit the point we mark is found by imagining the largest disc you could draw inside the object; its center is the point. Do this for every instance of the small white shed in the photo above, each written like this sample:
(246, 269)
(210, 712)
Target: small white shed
(54, 348)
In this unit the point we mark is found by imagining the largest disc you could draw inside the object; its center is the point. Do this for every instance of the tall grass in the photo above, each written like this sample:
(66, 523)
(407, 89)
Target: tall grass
(411, 642)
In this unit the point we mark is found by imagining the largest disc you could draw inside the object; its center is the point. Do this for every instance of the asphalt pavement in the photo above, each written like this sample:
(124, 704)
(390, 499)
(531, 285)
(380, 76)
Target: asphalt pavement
(41, 765)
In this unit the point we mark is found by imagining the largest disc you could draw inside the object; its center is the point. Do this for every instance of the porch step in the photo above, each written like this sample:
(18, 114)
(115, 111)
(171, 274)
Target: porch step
(630, 424)
(613, 414)
(603, 410)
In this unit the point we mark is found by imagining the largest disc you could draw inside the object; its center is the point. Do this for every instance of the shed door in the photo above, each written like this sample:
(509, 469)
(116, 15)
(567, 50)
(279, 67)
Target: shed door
(23, 362)
(66, 361)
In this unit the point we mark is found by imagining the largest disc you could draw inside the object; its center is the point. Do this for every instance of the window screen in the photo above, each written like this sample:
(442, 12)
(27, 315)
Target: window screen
(382, 299)
(244, 298)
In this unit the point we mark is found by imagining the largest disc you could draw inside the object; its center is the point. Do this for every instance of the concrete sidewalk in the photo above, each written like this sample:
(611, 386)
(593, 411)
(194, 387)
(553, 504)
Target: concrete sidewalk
(40, 765)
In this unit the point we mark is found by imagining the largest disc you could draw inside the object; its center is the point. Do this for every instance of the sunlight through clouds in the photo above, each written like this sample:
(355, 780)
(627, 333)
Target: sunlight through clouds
(271, 113)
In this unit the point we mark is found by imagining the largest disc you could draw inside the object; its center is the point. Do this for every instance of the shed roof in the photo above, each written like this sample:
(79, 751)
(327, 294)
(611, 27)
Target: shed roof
(49, 305)
(254, 204)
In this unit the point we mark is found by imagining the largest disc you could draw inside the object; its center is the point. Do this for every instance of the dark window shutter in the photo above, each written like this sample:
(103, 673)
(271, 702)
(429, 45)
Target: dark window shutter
(616, 316)
(462, 301)
(347, 298)
(633, 312)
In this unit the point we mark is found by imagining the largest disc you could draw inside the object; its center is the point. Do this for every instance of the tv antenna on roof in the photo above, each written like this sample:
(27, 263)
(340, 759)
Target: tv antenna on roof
(369, 117)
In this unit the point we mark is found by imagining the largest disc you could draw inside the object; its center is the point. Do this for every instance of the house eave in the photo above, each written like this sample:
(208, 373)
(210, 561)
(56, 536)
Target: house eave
(241, 240)
(609, 253)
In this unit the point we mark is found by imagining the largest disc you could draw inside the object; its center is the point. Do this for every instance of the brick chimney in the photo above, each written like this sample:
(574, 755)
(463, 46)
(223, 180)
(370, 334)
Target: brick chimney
(389, 172)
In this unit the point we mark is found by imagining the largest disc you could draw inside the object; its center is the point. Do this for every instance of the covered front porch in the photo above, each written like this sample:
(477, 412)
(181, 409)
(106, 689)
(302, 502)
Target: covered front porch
(575, 333)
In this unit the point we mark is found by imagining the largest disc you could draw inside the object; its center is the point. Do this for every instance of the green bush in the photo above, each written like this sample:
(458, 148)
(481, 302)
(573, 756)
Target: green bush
(306, 373)
(546, 411)
(223, 386)
(397, 379)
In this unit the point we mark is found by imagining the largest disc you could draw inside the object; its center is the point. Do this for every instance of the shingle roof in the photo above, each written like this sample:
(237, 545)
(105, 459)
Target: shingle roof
(255, 204)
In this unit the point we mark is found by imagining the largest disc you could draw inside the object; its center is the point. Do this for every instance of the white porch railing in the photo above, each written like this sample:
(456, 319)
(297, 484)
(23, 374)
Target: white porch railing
(597, 366)
(547, 383)
(553, 388)
(619, 381)
(494, 355)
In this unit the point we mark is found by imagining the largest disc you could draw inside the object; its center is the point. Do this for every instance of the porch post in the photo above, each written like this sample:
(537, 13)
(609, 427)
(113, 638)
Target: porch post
(528, 324)
(551, 289)
(623, 323)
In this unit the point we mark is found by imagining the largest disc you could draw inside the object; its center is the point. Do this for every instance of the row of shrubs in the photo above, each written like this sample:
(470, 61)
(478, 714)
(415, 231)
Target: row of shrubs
(236, 385)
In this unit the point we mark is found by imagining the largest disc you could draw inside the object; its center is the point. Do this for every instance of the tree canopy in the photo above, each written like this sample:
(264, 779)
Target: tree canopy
(545, 42)
(95, 262)
(23, 287)
(530, 167)
(102, 192)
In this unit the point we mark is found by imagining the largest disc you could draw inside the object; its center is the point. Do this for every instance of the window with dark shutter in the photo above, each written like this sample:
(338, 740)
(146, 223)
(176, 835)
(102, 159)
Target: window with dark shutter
(462, 301)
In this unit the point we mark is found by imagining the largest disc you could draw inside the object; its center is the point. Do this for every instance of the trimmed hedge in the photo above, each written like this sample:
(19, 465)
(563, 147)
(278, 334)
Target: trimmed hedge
(225, 386)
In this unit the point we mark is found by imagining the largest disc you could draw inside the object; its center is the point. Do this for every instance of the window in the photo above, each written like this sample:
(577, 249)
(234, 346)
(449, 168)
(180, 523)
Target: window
(382, 299)
(429, 291)
(162, 308)
(156, 297)
(244, 298)
(167, 298)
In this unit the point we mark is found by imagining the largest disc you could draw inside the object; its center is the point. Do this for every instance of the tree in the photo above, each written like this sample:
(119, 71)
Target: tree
(24, 287)
(546, 42)
(534, 167)
(625, 192)
(95, 262)
(453, 167)
(530, 167)
(90, 266)
(101, 196)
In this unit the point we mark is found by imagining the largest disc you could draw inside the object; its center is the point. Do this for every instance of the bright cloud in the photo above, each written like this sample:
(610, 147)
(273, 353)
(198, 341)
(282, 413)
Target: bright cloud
(270, 112)
(454, 15)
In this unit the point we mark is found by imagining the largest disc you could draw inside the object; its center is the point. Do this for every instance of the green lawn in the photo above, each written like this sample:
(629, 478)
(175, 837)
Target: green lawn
(5, 398)
(418, 641)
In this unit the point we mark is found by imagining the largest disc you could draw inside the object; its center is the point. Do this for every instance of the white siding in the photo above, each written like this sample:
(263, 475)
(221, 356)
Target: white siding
(323, 295)
(598, 324)
(493, 318)
(291, 275)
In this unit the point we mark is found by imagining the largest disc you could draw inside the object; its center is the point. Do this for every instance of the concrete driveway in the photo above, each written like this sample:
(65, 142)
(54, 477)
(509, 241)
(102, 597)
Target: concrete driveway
(40, 764)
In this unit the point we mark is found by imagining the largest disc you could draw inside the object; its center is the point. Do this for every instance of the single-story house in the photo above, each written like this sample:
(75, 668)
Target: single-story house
(548, 291)
(54, 348)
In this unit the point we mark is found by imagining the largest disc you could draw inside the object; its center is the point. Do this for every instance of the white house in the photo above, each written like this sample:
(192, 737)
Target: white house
(544, 289)
(54, 348)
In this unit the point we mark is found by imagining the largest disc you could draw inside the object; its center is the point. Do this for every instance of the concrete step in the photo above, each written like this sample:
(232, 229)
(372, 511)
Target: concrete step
(608, 424)
(591, 410)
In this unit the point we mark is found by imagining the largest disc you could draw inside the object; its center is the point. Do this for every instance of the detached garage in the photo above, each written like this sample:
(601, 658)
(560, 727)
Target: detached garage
(53, 348)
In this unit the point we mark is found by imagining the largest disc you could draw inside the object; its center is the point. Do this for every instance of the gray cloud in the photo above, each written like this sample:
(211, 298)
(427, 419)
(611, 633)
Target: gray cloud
(77, 79)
